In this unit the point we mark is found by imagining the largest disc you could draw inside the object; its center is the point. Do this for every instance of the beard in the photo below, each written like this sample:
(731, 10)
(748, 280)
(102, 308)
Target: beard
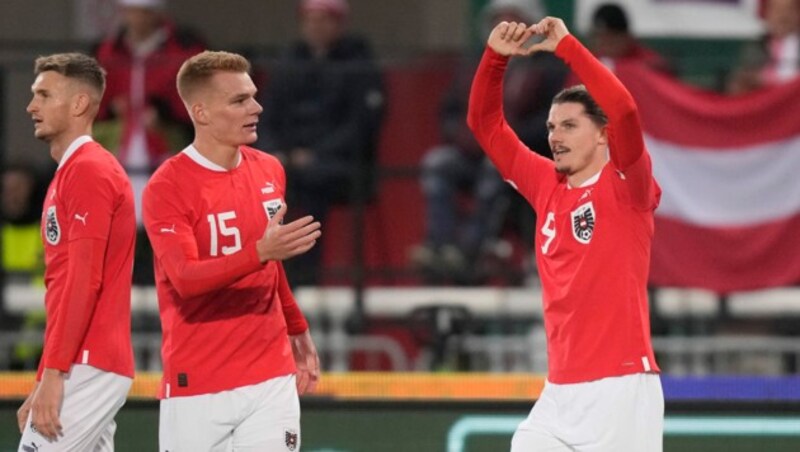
(563, 169)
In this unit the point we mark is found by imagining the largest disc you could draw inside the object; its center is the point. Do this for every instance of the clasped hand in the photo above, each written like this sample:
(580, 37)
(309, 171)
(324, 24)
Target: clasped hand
(511, 38)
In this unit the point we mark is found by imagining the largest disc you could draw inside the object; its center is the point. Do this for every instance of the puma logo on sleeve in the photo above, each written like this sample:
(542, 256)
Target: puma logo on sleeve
(169, 230)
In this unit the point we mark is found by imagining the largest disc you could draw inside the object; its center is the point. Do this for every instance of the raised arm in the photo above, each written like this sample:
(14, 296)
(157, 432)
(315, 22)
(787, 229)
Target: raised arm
(485, 116)
(626, 142)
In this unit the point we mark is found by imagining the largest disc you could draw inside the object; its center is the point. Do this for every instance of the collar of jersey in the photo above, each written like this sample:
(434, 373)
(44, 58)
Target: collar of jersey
(590, 181)
(76, 143)
(198, 158)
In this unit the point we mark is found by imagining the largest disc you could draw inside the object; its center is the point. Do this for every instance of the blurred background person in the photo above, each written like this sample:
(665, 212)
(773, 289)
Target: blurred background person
(610, 39)
(23, 192)
(323, 109)
(455, 241)
(775, 57)
(142, 118)
(21, 198)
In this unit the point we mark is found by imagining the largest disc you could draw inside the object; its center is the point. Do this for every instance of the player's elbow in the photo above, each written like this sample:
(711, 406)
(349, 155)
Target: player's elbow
(626, 109)
(181, 282)
(185, 288)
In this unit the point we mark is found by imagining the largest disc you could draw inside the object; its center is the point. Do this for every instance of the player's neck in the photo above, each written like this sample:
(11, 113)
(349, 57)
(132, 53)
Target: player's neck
(226, 156)
(60, 143)
(577, 179)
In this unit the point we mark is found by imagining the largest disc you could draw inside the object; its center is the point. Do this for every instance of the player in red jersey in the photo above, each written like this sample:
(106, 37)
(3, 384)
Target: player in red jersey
(88, 229)
(231, 327)
(595, 206)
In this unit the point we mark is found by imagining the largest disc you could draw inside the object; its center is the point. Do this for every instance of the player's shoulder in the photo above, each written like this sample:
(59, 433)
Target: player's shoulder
(93, 160)
(260, 157)
(170, 170)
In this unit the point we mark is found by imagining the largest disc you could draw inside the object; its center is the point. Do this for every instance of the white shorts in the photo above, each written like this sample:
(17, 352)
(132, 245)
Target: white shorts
(92, 397)
(256, 418)
(615, 414)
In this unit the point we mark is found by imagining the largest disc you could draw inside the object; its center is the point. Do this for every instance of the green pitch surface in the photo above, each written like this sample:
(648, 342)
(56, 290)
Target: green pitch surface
(330, 426)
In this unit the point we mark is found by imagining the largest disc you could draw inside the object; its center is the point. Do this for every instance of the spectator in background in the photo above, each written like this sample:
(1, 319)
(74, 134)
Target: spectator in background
(323, 110)
(612, 42)
(453, 242)
(142, 118)
(775, 58)
(22, 197)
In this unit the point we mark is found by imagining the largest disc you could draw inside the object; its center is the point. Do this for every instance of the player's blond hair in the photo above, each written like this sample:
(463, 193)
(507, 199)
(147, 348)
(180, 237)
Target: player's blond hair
(198, 70)
(76, 66)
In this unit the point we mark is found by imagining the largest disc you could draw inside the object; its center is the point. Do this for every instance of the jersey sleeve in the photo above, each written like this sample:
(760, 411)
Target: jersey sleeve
(524, 169)
(90, 196)
(295, 320)
(625, 139)
(90, 199)
(171, 235)
(71, 322)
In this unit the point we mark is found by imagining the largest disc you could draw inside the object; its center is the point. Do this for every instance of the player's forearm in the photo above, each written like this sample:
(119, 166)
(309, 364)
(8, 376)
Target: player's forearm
(602, 84)
(84, 279)
(295, 320)
(485, 114)
(192, 277)
(611, 95)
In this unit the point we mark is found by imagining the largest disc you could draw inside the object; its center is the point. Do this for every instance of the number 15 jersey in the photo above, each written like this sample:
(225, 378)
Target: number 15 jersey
(224, 315)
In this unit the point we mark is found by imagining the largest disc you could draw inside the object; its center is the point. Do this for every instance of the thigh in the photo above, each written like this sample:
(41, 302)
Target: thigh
(539, 432)
(92, 398)
(535, 439)
(274, 423)
(622, 414)
(106, 441)
(201, 423)
(648, 433)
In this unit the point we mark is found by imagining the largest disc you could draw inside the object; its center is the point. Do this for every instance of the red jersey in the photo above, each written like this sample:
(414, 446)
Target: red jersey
(224, 315)
(592, 242)
(88, 229)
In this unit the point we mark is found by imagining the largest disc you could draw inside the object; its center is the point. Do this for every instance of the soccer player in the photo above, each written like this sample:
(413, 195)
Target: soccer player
(595, 206)
(88, 229)
(230, 324)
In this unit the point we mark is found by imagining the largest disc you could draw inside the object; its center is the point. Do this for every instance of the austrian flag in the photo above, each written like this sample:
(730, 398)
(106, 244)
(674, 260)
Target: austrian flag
(729, 167)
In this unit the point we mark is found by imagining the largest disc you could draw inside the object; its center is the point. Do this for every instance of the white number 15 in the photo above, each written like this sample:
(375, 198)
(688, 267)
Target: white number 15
(225, 231)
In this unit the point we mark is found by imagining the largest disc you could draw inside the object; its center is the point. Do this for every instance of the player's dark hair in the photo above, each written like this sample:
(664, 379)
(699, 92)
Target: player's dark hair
(76, 66)
(579, 95)
(198, 69)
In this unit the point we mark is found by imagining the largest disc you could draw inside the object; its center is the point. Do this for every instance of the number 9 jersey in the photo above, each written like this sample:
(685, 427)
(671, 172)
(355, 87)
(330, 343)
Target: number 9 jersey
(592, 241)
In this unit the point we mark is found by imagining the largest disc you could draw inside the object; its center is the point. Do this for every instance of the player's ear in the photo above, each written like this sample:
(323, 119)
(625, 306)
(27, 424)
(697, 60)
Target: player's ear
(199, 113)
(602, 136)
(81, 102)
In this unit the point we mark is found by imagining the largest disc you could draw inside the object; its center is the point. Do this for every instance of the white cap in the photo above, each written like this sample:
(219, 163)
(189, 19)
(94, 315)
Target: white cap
(154, 4)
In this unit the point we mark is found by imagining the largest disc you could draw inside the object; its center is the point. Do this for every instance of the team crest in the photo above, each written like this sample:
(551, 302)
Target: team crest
(52, 231)
(583, 220)
(272, 206)
(291, 439)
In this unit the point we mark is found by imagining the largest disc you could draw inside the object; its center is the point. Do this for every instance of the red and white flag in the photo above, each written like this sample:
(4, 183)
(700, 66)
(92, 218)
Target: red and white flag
(729, 168)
